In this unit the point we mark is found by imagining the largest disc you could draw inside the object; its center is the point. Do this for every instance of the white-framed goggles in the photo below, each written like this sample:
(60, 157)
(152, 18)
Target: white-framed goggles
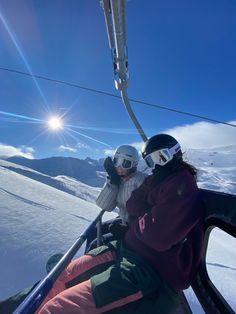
(162, 156)
(123, 162)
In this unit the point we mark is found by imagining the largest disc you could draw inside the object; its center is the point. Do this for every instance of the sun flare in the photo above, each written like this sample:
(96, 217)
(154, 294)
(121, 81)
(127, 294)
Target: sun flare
(55, 123)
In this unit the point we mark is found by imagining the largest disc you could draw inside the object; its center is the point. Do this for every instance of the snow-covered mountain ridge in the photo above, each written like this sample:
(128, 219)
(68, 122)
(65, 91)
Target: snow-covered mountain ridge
(63, 183)
(86, 171)
(217, 169)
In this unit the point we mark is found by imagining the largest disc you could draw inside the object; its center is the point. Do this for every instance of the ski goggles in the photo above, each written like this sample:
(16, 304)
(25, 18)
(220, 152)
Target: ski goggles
(122, 162)
(162, 156)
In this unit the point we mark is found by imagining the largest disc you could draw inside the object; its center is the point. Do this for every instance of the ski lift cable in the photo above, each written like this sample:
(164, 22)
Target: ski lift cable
(115, 96)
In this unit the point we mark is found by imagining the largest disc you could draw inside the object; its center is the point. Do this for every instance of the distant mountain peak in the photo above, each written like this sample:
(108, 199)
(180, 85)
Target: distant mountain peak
(84, 170)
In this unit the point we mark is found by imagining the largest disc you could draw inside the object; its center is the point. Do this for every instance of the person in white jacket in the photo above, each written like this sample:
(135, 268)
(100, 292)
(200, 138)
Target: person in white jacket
(122, 179)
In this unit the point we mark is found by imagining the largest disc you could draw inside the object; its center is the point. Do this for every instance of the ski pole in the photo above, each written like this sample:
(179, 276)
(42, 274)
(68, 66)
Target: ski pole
(36, 297)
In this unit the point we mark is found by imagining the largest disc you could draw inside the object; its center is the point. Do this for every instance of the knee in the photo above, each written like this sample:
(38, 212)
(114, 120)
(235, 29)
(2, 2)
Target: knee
(75, 300)
(53, 306)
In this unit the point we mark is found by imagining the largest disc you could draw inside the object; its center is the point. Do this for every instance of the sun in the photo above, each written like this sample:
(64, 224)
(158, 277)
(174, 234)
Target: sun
(55, 123)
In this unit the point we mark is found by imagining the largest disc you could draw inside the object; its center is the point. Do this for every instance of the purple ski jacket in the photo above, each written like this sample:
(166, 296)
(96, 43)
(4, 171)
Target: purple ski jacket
(167, 230)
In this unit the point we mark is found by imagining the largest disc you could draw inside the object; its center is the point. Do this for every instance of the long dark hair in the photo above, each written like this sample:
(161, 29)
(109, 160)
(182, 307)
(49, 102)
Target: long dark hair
(185, 164)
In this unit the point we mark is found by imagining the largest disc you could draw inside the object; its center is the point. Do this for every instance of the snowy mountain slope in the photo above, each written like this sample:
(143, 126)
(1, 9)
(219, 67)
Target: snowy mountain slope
(63, 183)
(79, 189)
(80, 169)
(218, 157)
(216, 168)
(36, 221)
(218, 179)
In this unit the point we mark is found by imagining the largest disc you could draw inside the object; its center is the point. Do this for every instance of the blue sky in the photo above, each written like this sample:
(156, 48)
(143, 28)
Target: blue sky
(181, 55)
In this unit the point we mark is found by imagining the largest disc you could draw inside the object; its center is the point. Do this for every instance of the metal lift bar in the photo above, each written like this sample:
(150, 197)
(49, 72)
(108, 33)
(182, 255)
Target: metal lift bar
(115, 17)
(131, 114)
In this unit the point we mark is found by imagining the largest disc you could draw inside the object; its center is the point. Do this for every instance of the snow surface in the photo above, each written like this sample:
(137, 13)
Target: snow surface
(37, 221)
(41, 215)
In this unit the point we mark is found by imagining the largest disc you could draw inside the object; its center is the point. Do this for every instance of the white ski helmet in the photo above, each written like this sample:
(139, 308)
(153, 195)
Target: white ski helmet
(126, 156)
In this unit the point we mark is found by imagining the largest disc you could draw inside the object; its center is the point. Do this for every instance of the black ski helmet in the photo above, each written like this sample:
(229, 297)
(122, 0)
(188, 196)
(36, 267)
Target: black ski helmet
(158, 142)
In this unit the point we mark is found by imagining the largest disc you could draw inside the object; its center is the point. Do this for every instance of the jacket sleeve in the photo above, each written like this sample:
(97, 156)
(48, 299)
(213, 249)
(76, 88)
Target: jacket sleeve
(107, 199)
(172, 217)
(139, 179)
(137, 204)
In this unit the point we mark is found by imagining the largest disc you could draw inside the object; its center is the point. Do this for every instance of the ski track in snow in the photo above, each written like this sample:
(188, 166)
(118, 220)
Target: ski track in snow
(221, 265)
(27, 201)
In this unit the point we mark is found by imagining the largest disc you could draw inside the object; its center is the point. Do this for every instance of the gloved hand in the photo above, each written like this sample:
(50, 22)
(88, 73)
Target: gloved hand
(111, 171)
(118, 229)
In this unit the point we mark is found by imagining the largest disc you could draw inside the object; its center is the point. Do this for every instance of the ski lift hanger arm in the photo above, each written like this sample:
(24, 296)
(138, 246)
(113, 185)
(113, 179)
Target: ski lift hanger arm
(115, 18)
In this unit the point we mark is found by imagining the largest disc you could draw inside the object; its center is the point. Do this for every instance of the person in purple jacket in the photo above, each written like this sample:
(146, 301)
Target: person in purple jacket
(159, 254)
